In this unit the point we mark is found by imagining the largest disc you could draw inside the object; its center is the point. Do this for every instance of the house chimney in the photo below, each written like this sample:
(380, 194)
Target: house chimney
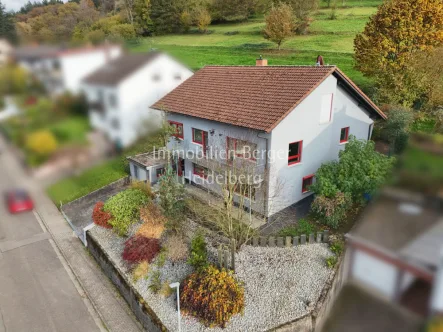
(260, 62)
(320, 61)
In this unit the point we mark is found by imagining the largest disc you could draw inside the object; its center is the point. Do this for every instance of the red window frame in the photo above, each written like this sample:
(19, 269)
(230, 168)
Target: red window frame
(346, 129)
(159, 172)
(193, 137)
(177, 125)
(297, 157)
(304, 186)
(199, 174)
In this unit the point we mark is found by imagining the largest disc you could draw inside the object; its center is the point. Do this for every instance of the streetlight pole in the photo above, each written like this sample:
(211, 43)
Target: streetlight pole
(177, 285)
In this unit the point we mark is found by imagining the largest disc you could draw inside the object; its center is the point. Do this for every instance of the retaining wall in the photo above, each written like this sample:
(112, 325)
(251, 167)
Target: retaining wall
(141, 310)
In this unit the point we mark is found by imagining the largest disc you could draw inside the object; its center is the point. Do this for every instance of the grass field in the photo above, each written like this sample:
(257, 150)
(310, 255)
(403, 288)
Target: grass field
(242, 43)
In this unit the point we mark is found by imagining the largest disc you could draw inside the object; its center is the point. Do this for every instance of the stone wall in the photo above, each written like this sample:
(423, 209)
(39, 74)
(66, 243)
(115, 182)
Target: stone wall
(142, 311)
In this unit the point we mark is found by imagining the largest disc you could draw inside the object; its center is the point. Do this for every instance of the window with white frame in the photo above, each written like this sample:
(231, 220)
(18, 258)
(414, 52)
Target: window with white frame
(326, 108)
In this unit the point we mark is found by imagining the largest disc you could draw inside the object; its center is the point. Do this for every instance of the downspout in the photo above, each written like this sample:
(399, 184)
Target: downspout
(266, 201)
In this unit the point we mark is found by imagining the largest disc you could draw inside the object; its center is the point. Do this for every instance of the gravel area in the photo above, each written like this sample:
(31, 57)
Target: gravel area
(281, 284)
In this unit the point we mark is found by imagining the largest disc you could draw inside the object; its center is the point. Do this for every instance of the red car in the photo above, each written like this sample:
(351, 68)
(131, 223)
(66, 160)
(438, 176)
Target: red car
(19, 201)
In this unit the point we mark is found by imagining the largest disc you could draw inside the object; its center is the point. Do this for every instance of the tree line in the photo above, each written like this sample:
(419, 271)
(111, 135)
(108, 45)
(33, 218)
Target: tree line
(95, 20)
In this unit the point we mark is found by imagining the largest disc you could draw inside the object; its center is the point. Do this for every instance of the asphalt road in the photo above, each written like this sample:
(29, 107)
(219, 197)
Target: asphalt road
(36, 291)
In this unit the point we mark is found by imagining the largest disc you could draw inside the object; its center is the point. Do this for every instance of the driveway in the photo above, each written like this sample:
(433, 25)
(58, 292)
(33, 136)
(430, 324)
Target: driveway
(79, 212)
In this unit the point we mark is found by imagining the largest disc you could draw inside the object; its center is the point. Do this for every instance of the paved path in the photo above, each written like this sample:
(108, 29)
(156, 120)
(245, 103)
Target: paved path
(48, 282)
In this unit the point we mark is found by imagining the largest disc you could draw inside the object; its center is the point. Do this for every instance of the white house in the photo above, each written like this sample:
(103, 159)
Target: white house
(121, 92)
(5, 51)
(62, 69)
(293, 117)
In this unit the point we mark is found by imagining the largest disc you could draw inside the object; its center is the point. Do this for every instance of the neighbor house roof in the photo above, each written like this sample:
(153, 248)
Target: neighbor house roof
(114, 72)
(256, 97)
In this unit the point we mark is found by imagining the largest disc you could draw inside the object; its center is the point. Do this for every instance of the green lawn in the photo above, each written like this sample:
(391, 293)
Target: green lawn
(98, 176)
(92, 179)
(71, 130)
(242, 43)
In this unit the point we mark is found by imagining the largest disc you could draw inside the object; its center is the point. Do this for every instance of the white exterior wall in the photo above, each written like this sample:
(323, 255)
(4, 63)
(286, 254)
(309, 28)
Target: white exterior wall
(134, 95)
(217, 141)
(321, 142)
(77, 66)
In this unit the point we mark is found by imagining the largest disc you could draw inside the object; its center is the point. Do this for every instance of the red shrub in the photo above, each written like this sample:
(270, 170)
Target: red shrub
(100, 217)
(139, 248)
(31, 100)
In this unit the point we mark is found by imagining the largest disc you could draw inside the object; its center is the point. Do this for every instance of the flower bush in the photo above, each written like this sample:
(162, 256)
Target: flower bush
(139, 248)
(213, 296)
(100, 217)
(42, 143)
(125, 209)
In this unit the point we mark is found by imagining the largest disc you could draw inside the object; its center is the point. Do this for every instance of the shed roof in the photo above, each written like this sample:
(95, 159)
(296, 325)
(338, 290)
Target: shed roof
(256, 97)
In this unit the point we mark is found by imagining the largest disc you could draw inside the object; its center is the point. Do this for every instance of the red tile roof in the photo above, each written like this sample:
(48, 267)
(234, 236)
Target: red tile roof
(250, 96)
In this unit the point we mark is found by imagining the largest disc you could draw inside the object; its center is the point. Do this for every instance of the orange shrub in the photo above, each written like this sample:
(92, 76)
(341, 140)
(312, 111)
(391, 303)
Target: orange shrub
(213, 296)
(153, 221)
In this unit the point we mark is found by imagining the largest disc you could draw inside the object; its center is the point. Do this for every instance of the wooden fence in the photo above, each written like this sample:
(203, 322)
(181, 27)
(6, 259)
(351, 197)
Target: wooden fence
(289, 241)
(226, 253)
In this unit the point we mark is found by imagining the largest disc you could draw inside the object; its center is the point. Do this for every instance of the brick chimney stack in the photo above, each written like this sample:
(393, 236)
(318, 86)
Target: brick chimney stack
(260, 62)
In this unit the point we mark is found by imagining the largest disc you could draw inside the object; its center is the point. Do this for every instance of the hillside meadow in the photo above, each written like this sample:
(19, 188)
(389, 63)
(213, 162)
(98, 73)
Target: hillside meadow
(241, 43)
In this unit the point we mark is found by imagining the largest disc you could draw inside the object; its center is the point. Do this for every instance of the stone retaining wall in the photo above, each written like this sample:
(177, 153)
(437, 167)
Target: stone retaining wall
(142, 311)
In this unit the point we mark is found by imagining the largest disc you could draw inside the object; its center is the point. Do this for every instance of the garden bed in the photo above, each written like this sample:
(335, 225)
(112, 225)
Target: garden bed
(282, 285)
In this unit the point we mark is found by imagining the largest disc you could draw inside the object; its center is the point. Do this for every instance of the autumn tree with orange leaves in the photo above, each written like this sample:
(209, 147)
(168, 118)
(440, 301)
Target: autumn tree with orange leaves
(393, 35)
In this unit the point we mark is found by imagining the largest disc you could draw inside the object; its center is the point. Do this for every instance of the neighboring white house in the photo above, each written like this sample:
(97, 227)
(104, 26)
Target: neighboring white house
(5, 51)
(295, 117)
(62, 69)
(121, 92)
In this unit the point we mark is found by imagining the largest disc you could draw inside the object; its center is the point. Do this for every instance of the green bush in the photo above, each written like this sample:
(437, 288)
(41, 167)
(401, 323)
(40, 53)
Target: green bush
(331, 261)
(213, 296)
(395, 130)
(125, 209)
(337, 247)
(199, 254)
(360, 170)
(171, 194)
(303, 227)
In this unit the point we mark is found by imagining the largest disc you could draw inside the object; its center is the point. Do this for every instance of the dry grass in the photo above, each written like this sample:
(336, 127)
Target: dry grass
(176, 248)
(151, 231)
(165, 290)
(140, 271)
